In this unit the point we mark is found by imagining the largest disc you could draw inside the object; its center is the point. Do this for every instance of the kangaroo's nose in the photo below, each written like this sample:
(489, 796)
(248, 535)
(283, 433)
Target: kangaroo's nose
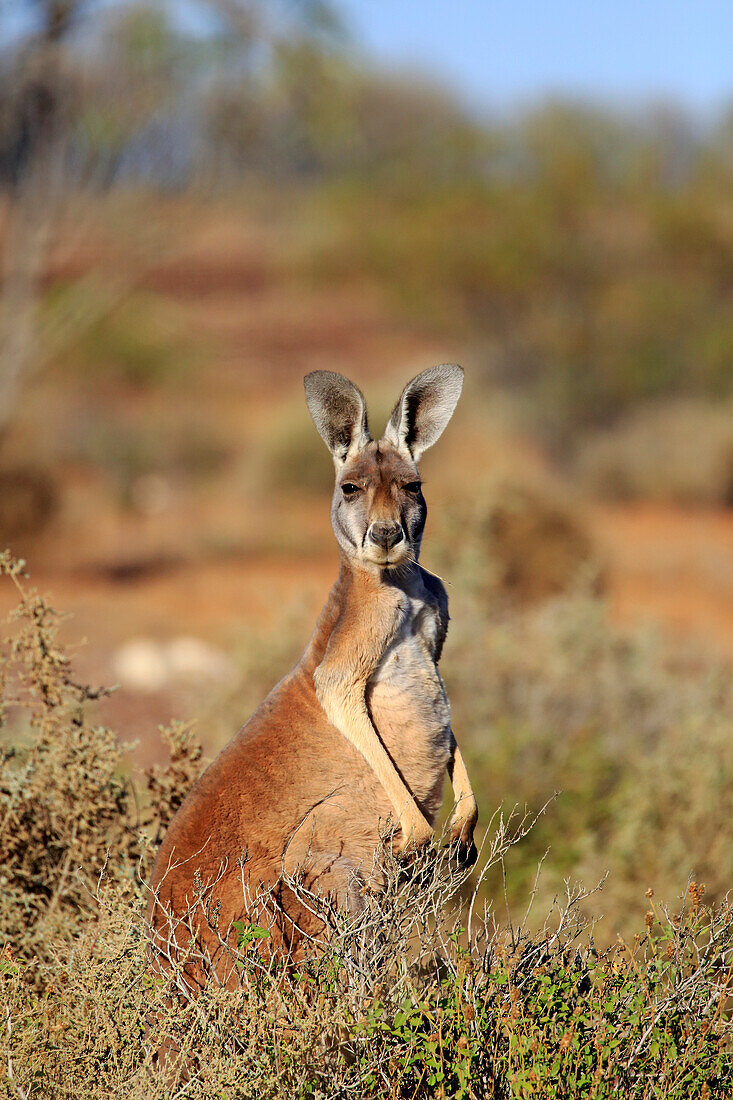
(386, 535)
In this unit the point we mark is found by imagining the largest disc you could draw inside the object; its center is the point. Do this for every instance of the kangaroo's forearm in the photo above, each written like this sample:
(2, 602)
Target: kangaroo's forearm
(466, 807)
(345, 708)
(354, 723)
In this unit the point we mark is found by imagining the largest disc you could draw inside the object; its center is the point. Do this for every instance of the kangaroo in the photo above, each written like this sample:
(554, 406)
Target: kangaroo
(358, 734)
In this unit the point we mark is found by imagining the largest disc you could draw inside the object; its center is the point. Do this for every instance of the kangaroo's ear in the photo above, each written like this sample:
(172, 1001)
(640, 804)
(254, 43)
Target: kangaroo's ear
(339, 412)
(424, 409)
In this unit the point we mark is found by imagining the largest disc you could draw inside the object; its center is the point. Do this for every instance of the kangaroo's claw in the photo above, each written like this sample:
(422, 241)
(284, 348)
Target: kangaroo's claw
(464, 853)
(461, 843)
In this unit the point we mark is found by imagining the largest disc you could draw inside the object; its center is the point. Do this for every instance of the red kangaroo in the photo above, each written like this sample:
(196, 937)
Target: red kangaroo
(359, 732)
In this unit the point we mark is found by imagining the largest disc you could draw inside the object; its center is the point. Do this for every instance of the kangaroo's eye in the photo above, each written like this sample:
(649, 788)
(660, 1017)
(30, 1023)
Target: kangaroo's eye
(413, 487)
(349, 489)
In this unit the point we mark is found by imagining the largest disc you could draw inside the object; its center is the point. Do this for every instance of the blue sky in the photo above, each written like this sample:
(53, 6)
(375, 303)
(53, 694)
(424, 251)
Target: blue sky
(503, 52)
(500, 53)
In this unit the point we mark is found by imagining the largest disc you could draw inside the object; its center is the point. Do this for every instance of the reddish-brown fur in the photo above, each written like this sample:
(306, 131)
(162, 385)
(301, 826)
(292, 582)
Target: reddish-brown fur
(291, 792)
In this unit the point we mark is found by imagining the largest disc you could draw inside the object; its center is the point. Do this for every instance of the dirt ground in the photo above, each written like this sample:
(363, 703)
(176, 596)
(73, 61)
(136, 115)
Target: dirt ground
(672, 566)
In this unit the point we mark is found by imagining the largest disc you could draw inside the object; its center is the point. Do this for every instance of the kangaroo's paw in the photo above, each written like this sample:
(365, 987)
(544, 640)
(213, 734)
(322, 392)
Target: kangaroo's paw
(460, 836)
(411, 838)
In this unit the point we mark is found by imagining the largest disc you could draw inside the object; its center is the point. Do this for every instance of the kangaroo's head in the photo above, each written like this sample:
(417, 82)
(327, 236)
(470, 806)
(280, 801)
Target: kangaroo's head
(378, 510)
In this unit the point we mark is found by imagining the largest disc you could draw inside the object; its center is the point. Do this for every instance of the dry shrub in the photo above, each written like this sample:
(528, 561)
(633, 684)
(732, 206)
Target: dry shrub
(537, 547)
(28, 501)
(421, 996)
(65, 802)
(681, 451)
(515, 537)
(169, 784)
(426, 993)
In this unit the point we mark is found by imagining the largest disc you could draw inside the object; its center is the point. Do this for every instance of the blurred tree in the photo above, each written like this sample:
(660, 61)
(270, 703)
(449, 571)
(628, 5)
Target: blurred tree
(75, 110)
(34, 114)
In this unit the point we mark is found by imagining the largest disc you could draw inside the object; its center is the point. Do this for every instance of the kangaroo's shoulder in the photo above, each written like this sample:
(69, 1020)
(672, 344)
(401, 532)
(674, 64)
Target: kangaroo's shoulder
(423, 608)
(436, 591)
(437, 597)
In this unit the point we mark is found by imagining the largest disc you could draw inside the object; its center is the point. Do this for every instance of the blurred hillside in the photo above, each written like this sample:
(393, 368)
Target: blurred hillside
(192, 219)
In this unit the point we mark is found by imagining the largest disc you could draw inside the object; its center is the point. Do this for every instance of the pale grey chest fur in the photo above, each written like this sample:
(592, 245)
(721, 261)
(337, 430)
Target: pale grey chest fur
(408, 703)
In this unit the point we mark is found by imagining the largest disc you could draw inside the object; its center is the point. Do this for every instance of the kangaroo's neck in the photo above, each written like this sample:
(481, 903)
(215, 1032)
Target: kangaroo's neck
(356, 590)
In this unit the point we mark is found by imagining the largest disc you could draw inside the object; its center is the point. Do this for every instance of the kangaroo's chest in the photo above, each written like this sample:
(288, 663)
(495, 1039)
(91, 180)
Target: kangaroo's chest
(408, 703)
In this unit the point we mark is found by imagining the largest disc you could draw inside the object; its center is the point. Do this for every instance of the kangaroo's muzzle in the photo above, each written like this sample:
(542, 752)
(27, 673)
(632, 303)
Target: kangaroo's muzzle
(386, 535)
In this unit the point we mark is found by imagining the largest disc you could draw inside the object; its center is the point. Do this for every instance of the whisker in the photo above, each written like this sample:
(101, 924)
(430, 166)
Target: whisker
(437, 576)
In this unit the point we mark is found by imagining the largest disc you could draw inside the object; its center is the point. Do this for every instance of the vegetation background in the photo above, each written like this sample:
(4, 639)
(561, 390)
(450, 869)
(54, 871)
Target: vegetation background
(194, 212)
